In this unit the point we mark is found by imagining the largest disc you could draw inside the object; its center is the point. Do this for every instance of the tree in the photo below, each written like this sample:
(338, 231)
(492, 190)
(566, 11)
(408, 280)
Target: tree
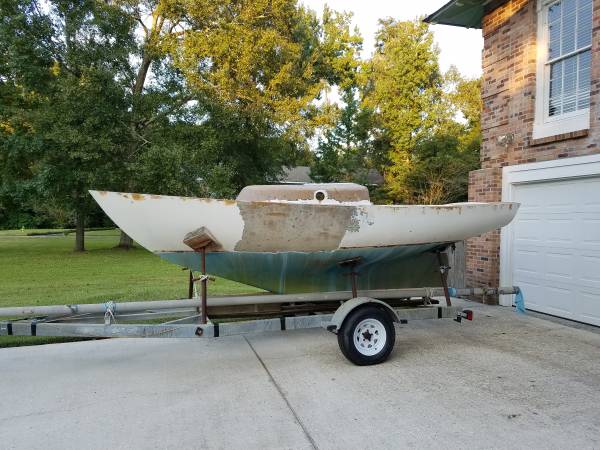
(463, 97)
(403, 86)
(63, 70)
(345, 151)
(266, 60)
(442, 161)
(154, 88)
(440, 170)
(427, 124)
(217, 157)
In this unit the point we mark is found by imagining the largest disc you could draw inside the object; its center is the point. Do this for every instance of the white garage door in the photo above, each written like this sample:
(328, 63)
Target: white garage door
(556, 247)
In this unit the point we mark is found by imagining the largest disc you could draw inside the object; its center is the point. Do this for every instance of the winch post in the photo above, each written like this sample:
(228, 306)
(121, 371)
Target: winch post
(444, 275)
(204, 281)
(199, 240)
(353, 274)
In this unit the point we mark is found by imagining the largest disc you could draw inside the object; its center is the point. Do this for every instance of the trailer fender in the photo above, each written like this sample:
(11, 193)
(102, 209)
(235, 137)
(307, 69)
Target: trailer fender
(350, 305)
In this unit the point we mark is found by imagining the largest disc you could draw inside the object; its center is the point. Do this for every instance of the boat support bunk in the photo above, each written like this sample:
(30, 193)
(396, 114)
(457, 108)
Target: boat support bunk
(362, 320)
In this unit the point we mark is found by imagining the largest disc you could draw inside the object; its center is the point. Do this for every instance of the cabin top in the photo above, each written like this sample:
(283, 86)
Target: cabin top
(319, 192)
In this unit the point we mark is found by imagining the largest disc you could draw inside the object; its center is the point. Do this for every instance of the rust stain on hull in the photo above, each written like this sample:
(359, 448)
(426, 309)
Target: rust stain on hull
(276, 227)
(137, 197)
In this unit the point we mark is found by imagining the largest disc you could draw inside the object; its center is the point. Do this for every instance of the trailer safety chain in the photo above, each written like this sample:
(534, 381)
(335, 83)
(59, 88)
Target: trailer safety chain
(200, 279)
(429, 291)
(204, 278)
(109, 314)
(486, 292)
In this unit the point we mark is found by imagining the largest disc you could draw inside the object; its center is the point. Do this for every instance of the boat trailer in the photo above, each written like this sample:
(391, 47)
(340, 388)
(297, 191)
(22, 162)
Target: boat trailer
(363, 320)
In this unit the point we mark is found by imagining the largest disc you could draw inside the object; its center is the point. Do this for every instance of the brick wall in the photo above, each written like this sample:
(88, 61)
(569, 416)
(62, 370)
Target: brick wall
(508, 92)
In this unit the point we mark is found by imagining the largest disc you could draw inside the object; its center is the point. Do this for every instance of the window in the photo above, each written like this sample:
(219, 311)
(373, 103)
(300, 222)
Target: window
(564, 66)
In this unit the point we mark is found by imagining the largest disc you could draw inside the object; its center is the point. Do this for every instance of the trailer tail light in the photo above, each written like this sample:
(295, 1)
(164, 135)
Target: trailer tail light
(464, 314)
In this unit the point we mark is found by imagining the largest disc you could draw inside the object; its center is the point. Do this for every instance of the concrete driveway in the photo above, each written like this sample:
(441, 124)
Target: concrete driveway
(502, 381)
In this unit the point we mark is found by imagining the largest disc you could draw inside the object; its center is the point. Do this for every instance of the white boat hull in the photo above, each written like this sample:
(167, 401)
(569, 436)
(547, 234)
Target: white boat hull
(295, 246)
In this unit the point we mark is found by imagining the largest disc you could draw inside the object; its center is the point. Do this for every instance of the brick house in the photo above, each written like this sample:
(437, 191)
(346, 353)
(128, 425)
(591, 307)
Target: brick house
(540, 147)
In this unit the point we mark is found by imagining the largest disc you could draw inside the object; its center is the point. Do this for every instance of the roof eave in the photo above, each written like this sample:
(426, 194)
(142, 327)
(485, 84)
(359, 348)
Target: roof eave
(463, 13)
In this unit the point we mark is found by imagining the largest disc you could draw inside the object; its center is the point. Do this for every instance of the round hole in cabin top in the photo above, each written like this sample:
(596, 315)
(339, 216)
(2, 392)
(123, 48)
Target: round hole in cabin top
(320, 195)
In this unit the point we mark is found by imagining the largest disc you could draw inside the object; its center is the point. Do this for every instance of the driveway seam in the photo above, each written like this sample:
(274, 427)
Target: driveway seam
(285, 399)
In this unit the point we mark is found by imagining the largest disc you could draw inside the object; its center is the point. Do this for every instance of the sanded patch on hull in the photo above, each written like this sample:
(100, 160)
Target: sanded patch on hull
(275, 227)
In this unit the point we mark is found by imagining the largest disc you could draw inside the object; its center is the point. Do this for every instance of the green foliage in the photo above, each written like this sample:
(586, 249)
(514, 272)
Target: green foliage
(345, 151)
(403, 85)
(418, 126)
(440, 170)
(215, 158)
(64, 129)
(440, 163)
(266, 59)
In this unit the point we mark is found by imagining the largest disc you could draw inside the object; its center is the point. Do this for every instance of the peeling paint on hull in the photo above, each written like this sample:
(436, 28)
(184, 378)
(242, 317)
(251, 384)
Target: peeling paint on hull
(294, 272)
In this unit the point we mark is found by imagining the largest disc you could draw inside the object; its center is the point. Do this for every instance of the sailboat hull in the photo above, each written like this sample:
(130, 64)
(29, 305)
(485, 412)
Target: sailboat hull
(296, 246)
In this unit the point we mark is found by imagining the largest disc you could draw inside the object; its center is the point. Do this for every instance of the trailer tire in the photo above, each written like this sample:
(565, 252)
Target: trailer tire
(367, 336)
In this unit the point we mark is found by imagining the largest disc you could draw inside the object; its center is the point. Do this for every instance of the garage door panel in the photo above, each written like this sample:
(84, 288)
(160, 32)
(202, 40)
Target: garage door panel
(526, 230)
(529, 261)
(560, 231)
(590, 273)
(591, 206)
(529, 276)
(559, 266)
(558, 209)
(556, 247)
(558, 299)
(588, 305)
(589, 232)
(530, 197)
(550, 300)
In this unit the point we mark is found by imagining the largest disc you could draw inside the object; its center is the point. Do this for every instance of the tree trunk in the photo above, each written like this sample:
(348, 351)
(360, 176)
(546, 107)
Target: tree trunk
(125, 242)
(79, 232)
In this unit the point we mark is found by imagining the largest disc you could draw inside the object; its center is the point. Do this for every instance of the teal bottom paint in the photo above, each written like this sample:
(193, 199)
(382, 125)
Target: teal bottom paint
(293, 272)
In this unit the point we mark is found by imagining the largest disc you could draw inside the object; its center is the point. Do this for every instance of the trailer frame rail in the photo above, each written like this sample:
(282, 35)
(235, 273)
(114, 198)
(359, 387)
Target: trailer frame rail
(179, 329)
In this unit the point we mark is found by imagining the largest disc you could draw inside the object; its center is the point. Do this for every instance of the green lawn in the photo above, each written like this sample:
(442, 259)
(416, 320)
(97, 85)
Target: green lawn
(44, 270)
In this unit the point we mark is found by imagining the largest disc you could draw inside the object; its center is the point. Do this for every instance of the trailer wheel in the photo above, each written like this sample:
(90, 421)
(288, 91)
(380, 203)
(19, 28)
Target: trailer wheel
(367, 336)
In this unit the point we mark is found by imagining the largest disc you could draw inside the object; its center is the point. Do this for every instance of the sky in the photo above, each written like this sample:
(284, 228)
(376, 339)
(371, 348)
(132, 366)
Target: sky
(458, 46)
